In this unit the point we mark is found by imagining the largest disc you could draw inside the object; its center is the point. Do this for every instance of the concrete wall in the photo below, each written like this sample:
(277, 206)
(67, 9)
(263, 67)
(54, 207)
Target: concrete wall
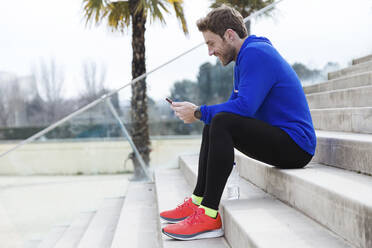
(89, 157)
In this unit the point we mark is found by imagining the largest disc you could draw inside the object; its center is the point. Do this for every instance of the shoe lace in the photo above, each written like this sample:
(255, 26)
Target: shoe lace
(195, 217)
(184, 204)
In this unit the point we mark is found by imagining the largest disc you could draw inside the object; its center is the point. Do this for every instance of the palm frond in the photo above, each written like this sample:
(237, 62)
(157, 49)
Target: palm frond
(93, 10)
(178, 8)
(158, 7)
(118, 15)
(155, 9)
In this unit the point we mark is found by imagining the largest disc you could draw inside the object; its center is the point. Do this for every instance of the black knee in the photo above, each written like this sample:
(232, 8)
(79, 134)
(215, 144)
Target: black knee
(220, 120)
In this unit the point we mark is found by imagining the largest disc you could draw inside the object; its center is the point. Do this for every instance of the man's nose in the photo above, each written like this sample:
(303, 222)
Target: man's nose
(210, 51)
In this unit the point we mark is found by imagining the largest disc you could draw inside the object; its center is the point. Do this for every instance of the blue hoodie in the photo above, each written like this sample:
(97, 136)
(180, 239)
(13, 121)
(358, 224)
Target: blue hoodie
(268, 90)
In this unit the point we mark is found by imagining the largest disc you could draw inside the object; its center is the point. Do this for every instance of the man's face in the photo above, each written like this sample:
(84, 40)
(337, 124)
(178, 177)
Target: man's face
(219, 47)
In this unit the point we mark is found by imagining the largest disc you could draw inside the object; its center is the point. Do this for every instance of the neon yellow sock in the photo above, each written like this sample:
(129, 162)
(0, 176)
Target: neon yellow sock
(196, 199)
(209, 211)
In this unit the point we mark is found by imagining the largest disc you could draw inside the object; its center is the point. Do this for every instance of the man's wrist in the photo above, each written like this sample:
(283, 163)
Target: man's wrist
(197, 113)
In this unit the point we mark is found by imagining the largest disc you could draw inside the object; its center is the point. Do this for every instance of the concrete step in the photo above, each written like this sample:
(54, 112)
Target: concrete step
(357, 120)
(259, 220)
(171, 189)
(350, 151)
(339, 199)
(53, 236)
(138, 224)
(354, 69)
(361, 79)
(10, 235)
(34, 243)
(352, 97)
(101, 228)
(75, 231)
(362, 59)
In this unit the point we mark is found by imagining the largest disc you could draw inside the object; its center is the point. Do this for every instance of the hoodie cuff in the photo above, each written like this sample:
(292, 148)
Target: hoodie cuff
(204, 114)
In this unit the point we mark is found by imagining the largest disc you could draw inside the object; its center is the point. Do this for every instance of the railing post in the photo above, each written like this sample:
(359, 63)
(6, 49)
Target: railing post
(126, 135)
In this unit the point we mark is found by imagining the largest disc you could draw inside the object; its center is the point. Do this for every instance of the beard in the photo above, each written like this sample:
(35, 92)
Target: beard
(227, 55)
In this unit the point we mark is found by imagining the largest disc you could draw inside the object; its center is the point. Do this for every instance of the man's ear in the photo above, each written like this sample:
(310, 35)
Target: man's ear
(229, 34)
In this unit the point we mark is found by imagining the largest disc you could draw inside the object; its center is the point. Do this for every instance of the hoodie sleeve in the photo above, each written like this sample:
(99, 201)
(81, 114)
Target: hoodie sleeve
(257, 77)
(232, 96)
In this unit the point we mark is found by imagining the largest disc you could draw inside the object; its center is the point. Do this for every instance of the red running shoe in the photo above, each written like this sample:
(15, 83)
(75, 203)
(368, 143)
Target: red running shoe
(197, 226)
(180, 213)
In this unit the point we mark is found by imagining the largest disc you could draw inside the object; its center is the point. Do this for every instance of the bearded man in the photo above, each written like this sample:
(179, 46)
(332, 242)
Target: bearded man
(266, 117)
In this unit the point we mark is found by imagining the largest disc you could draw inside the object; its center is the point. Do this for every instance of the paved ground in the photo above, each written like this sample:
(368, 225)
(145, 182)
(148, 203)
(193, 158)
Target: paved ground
(30, 206)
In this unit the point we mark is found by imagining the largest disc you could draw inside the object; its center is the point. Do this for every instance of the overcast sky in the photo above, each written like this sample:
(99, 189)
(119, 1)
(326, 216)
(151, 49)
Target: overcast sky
(312, 32)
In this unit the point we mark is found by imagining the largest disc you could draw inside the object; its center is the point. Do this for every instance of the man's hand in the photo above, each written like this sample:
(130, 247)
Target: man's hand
(185, 111)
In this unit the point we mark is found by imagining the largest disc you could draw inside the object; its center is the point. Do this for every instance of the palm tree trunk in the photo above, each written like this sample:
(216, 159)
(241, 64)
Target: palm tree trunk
(139, 130)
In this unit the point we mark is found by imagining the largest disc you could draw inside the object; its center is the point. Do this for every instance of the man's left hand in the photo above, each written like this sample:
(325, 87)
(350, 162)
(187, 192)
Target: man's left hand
(185, 111)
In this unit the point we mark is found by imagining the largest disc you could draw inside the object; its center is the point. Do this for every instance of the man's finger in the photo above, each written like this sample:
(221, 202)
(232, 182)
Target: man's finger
(177, 108)
(177, 104)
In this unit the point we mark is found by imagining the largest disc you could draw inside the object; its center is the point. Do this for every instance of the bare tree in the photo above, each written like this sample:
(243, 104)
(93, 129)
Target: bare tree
(94, 80)
(4, 104)
(94, 86)
(50, 81)
(12, 103)
(16, 103)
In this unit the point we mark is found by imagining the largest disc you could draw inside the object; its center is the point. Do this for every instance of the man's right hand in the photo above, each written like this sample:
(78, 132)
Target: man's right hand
(185, 111)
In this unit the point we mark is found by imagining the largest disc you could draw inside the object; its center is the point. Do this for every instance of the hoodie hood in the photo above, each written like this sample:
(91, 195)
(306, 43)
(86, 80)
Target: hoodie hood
(252, 39)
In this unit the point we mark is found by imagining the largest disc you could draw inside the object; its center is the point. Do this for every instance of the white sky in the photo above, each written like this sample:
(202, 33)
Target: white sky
(312, 32)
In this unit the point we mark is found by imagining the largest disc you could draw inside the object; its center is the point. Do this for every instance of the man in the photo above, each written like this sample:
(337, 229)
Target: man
(267, 118)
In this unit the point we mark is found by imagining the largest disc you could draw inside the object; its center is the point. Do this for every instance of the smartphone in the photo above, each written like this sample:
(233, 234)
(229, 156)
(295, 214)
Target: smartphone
(168, 100)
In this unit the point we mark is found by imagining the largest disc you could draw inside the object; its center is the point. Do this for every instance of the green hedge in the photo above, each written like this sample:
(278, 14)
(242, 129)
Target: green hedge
(99, 130)
(18, 133)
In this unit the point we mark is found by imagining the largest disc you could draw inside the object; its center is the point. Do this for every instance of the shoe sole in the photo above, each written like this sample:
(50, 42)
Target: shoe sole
(173, 221)
(202, 235)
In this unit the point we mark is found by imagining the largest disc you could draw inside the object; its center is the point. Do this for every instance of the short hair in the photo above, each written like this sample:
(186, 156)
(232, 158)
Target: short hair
(222, 18)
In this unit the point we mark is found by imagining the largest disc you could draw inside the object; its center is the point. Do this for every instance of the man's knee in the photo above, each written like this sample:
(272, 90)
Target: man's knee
(220, 119)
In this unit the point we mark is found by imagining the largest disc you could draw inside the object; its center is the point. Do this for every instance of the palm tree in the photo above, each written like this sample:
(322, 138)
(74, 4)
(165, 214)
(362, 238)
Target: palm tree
(121, 15)
(245, 7)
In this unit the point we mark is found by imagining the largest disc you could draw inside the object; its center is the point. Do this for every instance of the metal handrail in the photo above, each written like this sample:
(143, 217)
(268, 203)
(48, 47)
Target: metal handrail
(105, 96)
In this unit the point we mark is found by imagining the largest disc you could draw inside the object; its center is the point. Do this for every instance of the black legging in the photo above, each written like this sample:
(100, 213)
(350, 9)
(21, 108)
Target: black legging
(254, 138)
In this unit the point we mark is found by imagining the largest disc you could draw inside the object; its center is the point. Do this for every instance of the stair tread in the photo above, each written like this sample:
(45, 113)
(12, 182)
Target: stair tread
(361, 137)
(138, 221)
(338, 82)
(354, 186)
(341, 109)
(351, 70)
(362, 60)
(32, 243)
(346, 150)
(75, 231)
(53, 236)
(361, 65)
(101, 227)
(340, 90)
(260, 216)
